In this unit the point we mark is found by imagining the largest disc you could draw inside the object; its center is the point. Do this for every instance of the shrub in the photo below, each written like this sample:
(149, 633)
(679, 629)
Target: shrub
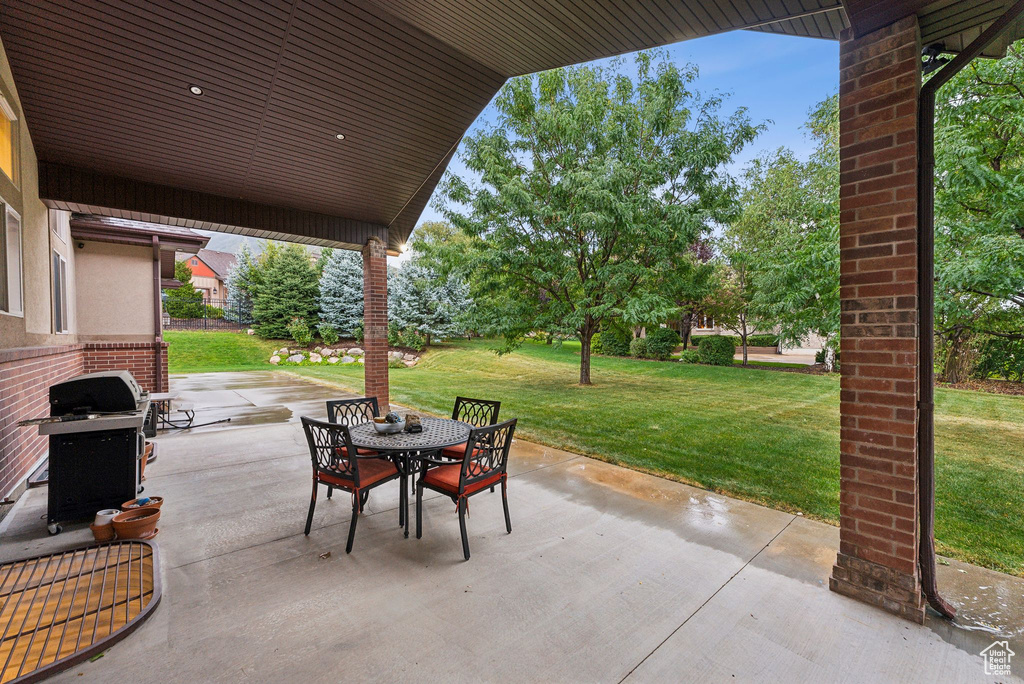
(689, 356)
(661, 342)
(214, 312)
(762, 340)
(396, 363)
(638, 348)
(595, 343)
(614, 342)
(394, 334)
(999, 356)
(300, 332)
(716, 350)
(327, 333)
(412, 339)
(357, 333)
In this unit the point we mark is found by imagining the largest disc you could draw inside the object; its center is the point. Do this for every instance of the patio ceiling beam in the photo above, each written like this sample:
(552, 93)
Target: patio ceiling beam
(88, 192)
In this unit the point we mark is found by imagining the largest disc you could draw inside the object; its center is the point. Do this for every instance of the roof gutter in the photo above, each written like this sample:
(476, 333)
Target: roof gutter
(926, 299)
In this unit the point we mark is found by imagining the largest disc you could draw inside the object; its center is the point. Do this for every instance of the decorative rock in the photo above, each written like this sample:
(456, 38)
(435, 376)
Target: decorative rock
(347, 359)
(356, 351)
(334, 352)
(275, 359)
(332, 359)
(409, 357)
(360, 360)
(296, 358)
(250, 331)
(396, 355)
(315, 358)
(316, 349)
(409, 364)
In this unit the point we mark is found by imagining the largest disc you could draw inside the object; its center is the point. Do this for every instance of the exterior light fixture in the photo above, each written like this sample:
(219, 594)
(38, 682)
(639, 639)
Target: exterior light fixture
(403, 247)
(195, 90)
(340, 136)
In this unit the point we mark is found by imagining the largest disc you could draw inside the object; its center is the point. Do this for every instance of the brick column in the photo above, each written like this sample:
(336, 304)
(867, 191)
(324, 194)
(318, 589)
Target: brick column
(375, 322)
(878, 93)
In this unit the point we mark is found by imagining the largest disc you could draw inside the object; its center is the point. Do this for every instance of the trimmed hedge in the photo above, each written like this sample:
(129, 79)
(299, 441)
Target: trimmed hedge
(716, 350)
(752, 340)
(661, 342)
(689, 356)
(638, 348)
(613, 342)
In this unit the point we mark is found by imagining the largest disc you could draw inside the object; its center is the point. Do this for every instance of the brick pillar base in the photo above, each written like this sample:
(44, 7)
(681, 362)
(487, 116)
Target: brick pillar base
(878, 95)
(375, 322)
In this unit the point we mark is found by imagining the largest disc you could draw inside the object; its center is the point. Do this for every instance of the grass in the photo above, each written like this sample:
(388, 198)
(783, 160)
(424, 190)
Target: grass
(764, 436)
(204, 352)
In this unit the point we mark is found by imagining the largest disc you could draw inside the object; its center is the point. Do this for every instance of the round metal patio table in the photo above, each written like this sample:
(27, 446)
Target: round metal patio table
(406, 449)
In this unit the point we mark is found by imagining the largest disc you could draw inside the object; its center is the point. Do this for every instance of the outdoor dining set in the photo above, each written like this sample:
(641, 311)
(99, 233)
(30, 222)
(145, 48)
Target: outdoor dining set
(457, 457)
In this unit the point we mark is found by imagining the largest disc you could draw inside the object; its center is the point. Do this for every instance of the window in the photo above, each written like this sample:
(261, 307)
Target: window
(60, 224)
(60, 294)
(8, 138)
(10, 261)
(703, 322)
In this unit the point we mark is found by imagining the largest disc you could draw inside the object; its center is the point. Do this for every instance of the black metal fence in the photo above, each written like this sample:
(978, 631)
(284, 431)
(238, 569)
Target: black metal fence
(206, 314)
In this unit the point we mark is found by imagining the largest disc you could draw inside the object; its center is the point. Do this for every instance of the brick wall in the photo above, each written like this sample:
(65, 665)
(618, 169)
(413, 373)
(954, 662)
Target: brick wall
(375, 322)
(135, 357)
(879, 86)
(25, 379)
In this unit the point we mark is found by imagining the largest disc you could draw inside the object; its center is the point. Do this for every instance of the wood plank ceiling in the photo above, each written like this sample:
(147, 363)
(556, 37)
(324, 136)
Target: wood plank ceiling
(105, 89)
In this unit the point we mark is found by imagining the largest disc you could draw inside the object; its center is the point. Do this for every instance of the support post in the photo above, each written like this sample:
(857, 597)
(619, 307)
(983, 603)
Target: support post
(880, 76)
(375, 322)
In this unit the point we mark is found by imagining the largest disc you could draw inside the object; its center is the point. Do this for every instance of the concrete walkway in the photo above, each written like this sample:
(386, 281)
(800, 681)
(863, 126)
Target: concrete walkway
(608, 575)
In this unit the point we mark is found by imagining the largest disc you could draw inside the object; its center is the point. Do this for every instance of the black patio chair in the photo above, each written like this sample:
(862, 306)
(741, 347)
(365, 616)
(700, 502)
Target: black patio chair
(476, 412)
(352, 412)
(483, 465)
(331, 450)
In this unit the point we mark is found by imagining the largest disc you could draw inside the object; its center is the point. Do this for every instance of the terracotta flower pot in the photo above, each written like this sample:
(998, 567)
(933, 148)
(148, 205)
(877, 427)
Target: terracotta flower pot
(146, 455)
(154, 502)
(102, 533)
(139, 523)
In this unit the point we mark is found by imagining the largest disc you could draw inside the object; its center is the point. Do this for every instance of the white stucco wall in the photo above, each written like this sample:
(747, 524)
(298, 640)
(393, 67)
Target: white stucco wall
(114, 286)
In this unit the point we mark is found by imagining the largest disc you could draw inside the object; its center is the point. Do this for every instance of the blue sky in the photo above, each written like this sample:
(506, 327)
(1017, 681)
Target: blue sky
(778, 78)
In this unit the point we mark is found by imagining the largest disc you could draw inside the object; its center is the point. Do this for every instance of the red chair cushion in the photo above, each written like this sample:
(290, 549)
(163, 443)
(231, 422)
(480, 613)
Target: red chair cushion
(456, 451)
(343, 452)
(371, 470)
(446, 477)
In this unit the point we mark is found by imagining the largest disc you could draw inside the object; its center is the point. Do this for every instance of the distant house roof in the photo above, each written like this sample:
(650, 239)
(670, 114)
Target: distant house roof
(219, 262)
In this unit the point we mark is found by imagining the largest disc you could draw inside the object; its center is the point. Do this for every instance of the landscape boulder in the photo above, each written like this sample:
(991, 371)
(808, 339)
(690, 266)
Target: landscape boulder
(396, 355)
(410, 357)
(275, 359)
(360, 360)
(347, 359)
(315, 358)
(296, 358)
(409, 364)
(356, 351)
(332, 359)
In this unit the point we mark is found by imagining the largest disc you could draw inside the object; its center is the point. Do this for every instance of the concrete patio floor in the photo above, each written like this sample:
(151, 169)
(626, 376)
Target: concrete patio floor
(608, 575)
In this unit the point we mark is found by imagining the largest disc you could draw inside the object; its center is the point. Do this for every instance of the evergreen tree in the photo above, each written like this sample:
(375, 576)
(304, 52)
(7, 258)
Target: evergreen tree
(432, 305)
(184, 301)
(241, 284)
(341, 291)
(287, 289)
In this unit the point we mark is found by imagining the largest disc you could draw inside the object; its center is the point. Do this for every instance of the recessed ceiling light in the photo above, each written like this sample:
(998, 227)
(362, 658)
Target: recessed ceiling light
(340, 136)
(195, 90)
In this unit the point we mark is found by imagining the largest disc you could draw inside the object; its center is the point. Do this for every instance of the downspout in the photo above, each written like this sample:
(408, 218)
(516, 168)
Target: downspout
(926, 300)
(158, 339)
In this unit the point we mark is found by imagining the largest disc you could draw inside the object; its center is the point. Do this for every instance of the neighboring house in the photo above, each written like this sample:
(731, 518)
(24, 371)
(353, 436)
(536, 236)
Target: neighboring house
(210, 270)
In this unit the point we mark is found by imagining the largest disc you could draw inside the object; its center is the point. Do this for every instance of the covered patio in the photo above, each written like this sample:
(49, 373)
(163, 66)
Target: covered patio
(331, 123)
(608, 575)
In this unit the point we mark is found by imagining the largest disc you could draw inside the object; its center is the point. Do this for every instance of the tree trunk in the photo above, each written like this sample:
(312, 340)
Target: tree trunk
(428, 339)
(687, 327)
(744, 341)
(585, 337)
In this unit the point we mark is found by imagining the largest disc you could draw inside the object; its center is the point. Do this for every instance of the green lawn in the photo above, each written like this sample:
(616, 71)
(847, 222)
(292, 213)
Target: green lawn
(204, 352)
(764, 436)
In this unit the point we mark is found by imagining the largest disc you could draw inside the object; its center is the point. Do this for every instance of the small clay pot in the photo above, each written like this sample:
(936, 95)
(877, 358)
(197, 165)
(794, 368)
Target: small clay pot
(154, 502)
(102, 533)
(136, 524)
